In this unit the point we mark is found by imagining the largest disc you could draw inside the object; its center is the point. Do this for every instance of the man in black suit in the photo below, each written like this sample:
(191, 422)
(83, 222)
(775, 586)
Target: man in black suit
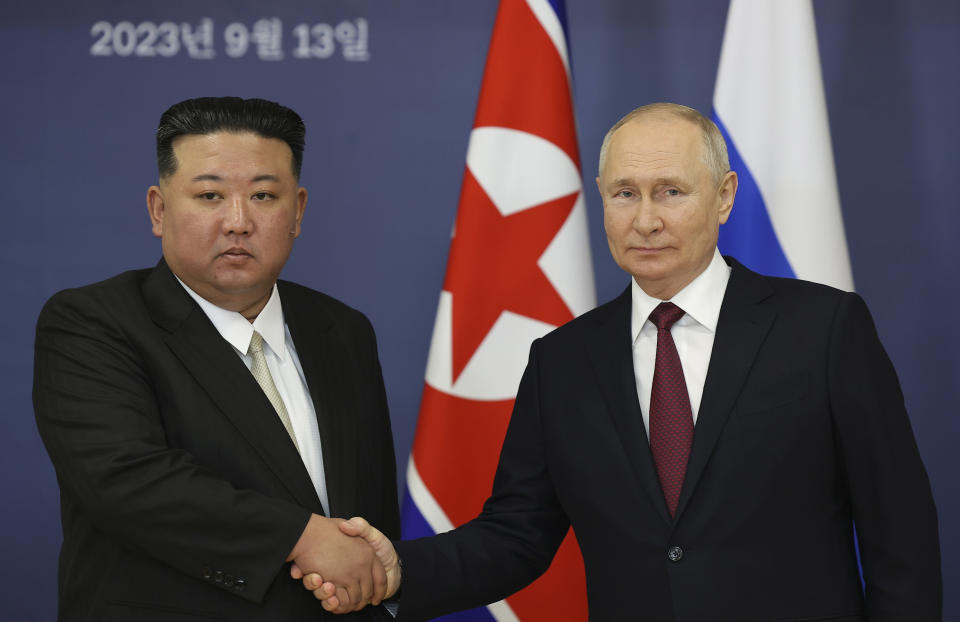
(204, 419)
(713, 436)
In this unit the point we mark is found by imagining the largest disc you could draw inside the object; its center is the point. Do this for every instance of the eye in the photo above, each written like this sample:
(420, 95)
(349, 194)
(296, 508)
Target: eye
(209, 196)
(672, 192)
(262, 196)
(626, 194)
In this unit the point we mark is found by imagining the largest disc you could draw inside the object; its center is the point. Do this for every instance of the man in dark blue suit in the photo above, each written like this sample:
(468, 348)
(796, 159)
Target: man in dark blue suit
(205, 419)
(713, 436)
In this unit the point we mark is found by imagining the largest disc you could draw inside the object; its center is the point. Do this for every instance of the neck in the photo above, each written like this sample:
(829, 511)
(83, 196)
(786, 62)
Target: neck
(660, 290)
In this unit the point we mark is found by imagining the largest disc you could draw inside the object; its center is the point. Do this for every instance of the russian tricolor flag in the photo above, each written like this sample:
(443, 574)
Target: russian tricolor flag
(519, 266)
(770, 105)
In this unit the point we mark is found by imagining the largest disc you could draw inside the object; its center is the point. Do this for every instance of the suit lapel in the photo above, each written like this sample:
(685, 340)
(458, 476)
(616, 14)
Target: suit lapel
(323, 361)
(223, 376)
(611, 355)
(741, 329)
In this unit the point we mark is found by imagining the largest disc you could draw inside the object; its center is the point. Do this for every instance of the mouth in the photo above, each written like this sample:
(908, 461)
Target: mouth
(235, 253)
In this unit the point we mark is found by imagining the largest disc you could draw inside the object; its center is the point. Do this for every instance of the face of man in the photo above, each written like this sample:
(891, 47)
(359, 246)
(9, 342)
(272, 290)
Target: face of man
(228, 216)
(662, 210)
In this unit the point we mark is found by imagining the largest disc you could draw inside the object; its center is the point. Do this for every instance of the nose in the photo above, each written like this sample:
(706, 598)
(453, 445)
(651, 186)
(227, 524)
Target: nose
(237, 219)
(646, 218)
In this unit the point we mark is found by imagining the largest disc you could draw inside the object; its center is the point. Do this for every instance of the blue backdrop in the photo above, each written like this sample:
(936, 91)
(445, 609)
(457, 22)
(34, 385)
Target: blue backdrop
(388, 91)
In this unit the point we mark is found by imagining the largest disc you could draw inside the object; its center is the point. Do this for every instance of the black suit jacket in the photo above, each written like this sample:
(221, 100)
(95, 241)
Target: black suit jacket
(181, 493)
(801, 433)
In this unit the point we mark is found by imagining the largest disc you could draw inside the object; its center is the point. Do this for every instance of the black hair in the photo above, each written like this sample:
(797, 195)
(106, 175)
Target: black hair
(208, 115)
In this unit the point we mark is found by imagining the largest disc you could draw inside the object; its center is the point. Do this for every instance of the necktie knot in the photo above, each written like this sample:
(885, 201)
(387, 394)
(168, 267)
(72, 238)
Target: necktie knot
(256, 343)
(665, 315)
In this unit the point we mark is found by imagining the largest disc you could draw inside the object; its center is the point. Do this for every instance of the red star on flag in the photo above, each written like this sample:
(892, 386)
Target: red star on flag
(493, 267)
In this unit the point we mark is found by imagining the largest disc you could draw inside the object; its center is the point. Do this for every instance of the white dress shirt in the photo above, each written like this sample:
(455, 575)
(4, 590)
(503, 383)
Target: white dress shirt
(284, 366)
(693, 333)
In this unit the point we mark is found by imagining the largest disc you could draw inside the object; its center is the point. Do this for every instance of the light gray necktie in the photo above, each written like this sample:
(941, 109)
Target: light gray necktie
(262, 375)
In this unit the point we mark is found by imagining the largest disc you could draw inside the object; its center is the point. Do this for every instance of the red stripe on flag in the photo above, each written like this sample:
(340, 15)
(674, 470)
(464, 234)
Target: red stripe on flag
(525, 84)
(456, 450)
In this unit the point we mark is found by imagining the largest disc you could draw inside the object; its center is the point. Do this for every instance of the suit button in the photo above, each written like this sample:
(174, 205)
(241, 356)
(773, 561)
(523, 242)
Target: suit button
(206, 572)
(228, 580)
(239, 584)
(218, 576)
(674, 553)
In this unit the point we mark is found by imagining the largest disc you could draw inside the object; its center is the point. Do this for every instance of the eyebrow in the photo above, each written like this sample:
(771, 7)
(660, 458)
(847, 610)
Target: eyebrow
(213, 177)
(659, 181)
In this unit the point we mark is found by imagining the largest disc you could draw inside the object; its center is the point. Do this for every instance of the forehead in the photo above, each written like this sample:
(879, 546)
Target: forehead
(224, 153)
(656, 144)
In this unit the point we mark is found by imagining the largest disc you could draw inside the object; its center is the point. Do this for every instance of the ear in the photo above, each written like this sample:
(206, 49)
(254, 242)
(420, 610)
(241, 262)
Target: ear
(301, 206)
(727, 192)
(155, 207)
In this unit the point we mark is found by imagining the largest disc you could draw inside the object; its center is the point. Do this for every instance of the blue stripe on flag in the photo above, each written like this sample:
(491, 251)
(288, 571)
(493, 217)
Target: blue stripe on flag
(559, 7)
(748, 234)
(414, 525)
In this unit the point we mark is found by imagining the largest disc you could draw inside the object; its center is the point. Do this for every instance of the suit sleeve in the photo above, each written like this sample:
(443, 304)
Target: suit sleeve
(509, 544)
(98, 416)
(893, 507)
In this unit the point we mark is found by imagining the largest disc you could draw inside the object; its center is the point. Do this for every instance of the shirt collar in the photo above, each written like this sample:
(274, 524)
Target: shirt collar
(701, 298)
(238, 331)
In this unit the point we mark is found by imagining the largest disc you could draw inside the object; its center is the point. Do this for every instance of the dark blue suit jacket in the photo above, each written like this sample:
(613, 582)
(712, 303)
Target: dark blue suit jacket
(801, 434)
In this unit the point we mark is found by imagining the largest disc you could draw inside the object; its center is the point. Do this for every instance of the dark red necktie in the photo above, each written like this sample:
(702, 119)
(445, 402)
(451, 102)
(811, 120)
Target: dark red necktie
(671, 419)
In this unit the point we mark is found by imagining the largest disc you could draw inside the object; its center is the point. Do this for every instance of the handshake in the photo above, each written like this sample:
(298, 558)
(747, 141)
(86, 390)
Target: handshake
(346, 564)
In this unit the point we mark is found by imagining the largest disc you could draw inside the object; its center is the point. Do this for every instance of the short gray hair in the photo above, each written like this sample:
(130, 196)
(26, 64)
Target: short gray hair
(714, 151)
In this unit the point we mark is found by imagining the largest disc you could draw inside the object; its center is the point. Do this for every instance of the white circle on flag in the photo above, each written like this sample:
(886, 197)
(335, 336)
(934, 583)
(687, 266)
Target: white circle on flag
(518, 170)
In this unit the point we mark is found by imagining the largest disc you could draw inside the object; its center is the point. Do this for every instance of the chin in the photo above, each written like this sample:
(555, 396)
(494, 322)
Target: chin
(647, 271)
(238, 285)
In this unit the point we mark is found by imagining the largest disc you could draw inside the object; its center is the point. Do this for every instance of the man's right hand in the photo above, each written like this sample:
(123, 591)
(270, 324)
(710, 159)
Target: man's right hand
(325, 549)
(336, 597)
